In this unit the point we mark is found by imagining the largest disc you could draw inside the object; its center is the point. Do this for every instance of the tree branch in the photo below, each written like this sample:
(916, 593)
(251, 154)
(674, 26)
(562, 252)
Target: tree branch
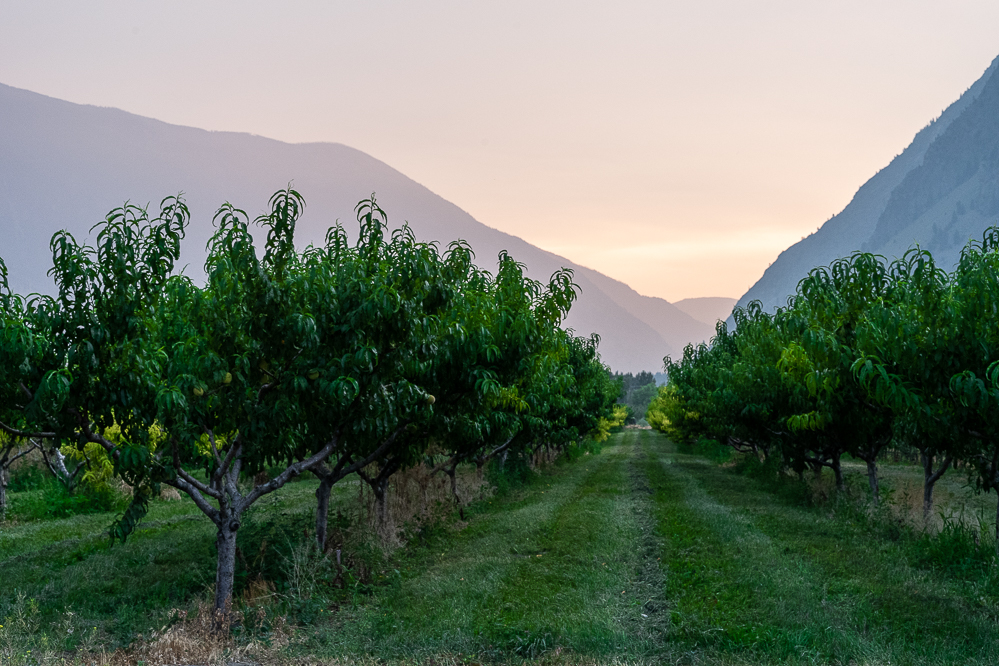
(215, 451)
(291, 471)
(28, 450)
(206, 507)
(933, 478)
(13, 432)
(499, 449)
(190, 480)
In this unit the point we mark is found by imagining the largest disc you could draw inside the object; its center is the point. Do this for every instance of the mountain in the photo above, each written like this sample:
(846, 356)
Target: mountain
(708, 310)
(64, 166)
(939, 192)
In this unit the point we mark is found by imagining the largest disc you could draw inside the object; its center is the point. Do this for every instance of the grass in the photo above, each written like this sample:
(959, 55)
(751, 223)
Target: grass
(550, 565)
(67, 567)
(641, 554)
(769, 580)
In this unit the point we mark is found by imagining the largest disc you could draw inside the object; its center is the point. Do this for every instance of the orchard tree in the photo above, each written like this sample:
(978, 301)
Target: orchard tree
(290, 360)
(72, 366)
(908, 353)
(832, 303)
(404, 301)
(975, 341)
(497, 348)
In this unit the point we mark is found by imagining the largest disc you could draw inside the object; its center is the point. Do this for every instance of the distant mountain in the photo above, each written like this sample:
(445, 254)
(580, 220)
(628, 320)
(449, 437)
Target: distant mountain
(708, 310)
(65, 165)
(940, 192)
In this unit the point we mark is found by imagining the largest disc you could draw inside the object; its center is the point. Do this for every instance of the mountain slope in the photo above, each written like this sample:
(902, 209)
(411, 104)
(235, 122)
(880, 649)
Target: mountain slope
(709, 309)
(64, 165)
(939, 192)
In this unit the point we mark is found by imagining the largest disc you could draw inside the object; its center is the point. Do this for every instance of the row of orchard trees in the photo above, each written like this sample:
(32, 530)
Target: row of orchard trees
(339, 360)
(867, 355)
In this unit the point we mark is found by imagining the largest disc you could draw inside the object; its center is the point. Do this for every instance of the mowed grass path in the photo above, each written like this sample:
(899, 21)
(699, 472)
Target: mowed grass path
(644, 554)
(553, 564)
(753, 578)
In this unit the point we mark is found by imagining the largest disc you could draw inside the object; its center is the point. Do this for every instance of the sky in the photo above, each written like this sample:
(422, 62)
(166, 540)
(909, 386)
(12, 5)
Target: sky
(676, 146)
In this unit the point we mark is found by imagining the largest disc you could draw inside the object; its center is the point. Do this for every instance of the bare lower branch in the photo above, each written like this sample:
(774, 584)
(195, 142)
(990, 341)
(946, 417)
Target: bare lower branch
(290, 472)
(364, 462)
(215, 451)
(498, 450)
(237, 443)
(92, 436)
(199, 499)
(190, 480)
(25, 452)
(13, 432)
(935, 476)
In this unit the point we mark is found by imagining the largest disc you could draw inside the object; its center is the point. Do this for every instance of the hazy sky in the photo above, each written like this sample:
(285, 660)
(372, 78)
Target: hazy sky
(677, 146)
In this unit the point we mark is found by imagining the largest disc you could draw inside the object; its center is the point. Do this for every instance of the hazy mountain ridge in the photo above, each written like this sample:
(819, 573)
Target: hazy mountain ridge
(64, 165)
(709, 310)
(917, 198)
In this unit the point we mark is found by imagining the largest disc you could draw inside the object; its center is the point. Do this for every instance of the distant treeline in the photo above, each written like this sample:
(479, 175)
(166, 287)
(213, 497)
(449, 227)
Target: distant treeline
(637, 391)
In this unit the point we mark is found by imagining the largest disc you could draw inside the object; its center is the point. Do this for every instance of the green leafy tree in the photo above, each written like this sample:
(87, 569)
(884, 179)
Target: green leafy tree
(292, 359)
(975, 338)
(72, 366)
(832, 303)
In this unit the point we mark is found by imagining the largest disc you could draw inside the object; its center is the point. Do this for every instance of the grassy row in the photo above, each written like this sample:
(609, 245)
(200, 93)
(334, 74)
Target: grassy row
(641, 554)
(551, 564)
(754, 575)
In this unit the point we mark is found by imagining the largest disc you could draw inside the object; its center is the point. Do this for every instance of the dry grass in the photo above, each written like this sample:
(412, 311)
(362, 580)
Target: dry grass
(954, 498)
(416, 497)
(190, 639)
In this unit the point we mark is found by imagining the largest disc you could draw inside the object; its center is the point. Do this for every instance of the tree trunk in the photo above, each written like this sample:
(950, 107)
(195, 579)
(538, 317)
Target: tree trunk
(60, 465)
(225, 572)
(3, 494)
(502, 460)
(838, 471)
(929, 480)
(323, 510)
(454, 490)
(927, 500)
(381, 504)
(222, 490)
(997, 524)
(872, 479)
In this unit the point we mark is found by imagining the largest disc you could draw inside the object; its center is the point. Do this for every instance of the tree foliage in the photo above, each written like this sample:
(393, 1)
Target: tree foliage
(349, 357)
(868, 354)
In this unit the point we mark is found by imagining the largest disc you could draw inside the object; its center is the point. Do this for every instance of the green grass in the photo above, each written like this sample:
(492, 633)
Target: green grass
(641, 554)
(551, 564)
(67, 566)
(755, 576)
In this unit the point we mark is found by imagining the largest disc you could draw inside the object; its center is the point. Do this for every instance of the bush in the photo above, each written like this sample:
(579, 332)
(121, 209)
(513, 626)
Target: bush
(588, 446)
(50, 500)
(278, 564)
(28, 477)
(713, 450)
(264, 544)
(512, 473)
(959, 548)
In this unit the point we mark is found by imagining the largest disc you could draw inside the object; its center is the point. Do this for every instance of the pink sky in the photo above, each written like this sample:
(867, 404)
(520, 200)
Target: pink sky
(677, 146)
